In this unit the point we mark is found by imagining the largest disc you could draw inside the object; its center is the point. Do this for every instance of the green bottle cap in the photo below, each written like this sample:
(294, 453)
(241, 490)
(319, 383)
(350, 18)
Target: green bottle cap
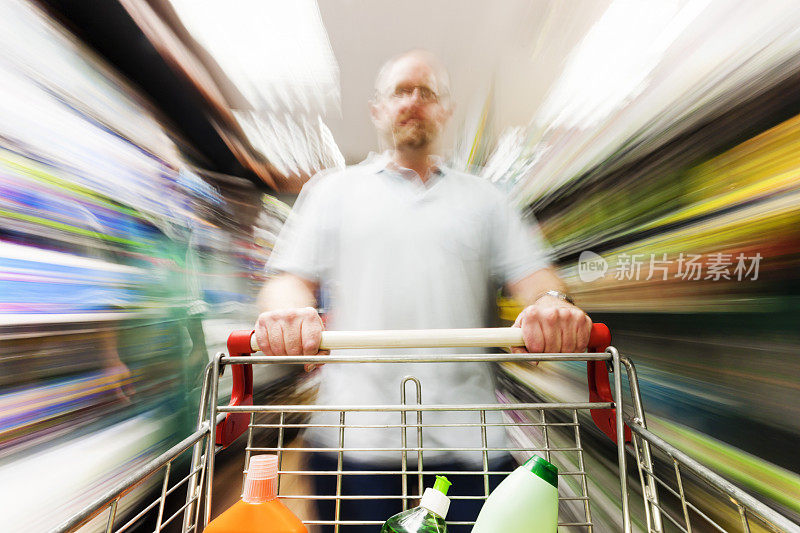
(442, 484)
(544, 469)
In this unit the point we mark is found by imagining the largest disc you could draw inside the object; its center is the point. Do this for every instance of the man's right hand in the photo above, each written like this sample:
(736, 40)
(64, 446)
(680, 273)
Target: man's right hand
(290, 332)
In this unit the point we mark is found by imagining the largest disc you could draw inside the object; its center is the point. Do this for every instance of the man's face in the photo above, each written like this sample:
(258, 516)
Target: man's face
(409, 112)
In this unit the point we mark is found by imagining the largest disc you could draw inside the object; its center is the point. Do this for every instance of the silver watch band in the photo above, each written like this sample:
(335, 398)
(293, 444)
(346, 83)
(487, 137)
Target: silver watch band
(557, 294)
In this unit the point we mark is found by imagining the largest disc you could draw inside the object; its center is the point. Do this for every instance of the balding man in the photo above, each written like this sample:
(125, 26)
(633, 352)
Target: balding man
(400, 241)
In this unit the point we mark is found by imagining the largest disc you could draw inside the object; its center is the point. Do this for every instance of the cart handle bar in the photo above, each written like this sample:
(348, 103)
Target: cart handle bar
(243, 342)
(437, 338)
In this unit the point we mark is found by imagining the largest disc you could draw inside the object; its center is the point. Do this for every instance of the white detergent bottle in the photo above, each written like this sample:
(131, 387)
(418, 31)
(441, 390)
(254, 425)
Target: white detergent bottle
(525, 502)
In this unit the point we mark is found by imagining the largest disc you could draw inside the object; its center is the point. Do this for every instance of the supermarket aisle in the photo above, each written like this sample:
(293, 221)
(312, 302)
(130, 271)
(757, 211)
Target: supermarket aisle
(150, 150)
(122, 268)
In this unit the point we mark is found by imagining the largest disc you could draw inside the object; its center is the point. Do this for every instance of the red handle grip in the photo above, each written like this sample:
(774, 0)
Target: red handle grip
(235, 424)
(599, 338)
(599, 386)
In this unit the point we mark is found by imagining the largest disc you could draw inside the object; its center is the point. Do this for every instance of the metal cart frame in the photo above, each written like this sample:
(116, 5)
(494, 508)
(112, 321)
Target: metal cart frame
(605, 406)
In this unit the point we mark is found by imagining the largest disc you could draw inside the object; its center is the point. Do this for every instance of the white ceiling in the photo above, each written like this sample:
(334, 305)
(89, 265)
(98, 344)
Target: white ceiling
(519, 45)
(595, 74)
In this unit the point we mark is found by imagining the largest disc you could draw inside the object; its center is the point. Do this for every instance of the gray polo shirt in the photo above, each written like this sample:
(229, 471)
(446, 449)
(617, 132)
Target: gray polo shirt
(392, 252)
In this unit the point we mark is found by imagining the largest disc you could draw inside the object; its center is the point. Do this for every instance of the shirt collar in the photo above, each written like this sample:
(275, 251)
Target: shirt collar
(383, 163)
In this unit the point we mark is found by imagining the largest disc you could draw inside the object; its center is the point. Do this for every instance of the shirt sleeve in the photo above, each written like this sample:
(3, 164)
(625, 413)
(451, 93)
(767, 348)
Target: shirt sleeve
(519, 247)
(300, 247)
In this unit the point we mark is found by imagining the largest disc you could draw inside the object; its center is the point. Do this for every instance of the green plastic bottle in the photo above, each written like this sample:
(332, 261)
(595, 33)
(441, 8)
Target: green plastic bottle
(428, 517)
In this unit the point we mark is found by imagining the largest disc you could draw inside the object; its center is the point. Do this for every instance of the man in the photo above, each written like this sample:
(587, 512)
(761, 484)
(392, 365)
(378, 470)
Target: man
(402, 242)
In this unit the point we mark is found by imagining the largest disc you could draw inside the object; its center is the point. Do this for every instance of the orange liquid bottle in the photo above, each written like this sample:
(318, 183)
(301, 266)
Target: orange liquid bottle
(259, 510)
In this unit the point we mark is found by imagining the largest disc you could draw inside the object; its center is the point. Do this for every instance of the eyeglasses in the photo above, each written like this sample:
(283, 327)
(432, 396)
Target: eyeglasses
(426, 94)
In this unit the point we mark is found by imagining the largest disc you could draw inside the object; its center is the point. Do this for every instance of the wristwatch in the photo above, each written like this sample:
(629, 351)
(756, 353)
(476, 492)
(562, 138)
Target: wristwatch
(557, 294)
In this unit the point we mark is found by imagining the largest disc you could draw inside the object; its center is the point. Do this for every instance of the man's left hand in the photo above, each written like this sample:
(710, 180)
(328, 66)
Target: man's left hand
(552, 325)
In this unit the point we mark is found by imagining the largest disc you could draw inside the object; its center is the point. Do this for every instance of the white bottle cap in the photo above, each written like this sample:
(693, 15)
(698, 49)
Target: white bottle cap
(261, 483)
(435, 502)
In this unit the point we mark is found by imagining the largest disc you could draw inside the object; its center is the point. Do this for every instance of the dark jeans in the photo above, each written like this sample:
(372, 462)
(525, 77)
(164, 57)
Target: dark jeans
(391, 485)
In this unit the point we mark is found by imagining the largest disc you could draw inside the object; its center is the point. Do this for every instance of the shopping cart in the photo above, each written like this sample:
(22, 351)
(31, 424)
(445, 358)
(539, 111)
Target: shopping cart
(674, 488)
